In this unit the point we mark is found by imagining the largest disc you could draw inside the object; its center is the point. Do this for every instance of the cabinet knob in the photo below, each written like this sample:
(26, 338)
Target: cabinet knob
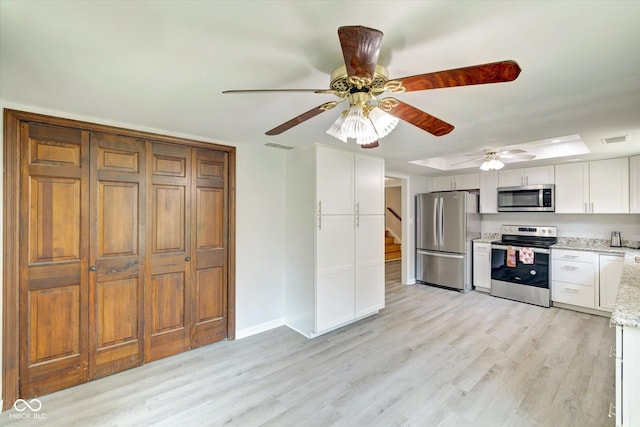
(187, 258)
(93, 268)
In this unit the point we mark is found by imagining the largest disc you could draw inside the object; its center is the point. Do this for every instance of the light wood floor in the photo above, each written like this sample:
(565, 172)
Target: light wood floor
(432, 357)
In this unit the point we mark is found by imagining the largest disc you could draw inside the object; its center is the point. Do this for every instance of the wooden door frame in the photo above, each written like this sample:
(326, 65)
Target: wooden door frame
(11, 237)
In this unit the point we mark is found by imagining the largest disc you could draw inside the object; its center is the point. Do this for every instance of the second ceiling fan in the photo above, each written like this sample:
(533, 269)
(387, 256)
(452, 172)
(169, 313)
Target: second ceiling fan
(362, 82)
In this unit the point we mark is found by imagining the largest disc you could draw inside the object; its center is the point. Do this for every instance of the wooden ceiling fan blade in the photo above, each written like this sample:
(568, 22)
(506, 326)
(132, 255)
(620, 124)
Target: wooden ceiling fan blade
(296, 120)
(419, 118)
(360, 49)
(495, 72)
(373, 144)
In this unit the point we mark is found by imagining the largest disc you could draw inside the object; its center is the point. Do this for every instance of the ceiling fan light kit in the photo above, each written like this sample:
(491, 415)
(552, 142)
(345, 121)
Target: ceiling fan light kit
(491, 164)
(363, 121)
(361, 80)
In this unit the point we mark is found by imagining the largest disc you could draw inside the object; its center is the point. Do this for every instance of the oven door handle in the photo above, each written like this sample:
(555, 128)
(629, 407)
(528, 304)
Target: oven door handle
(535, 250)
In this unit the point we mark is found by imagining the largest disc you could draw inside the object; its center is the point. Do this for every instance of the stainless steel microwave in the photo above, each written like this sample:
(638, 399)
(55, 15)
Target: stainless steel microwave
(529, 198)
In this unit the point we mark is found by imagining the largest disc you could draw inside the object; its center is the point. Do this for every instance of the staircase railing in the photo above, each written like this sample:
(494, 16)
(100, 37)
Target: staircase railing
(394, 213)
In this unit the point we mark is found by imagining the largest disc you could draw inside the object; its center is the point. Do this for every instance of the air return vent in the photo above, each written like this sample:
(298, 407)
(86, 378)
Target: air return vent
(280, 146)
(615, 139)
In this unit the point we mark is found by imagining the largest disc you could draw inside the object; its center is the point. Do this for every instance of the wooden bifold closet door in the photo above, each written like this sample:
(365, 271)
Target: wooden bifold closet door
(123, 252)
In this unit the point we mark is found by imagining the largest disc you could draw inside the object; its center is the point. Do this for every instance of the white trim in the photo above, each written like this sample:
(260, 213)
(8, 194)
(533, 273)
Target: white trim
(262, 327)
(407, 272)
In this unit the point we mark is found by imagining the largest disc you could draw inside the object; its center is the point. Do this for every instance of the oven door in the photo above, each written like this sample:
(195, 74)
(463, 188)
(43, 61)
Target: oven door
(535, 274)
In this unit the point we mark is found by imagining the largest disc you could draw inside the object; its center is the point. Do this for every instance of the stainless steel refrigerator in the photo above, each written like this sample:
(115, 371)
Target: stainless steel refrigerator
(446, 224)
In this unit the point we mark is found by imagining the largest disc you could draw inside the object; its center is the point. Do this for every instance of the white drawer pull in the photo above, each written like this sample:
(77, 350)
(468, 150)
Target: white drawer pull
(569, 267)
(571, 290)
(571, 256)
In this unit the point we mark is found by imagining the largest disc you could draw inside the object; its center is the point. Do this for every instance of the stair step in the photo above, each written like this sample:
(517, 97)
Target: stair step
(388, 240)
(394, 247)
(392, 255)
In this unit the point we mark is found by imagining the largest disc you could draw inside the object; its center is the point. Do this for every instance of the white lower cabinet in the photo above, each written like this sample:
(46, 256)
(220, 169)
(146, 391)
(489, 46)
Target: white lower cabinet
(335, 293)
(350, 269)
(573, 277)
(369, 265)
(609, 272)
(482, 266)
(627, 352)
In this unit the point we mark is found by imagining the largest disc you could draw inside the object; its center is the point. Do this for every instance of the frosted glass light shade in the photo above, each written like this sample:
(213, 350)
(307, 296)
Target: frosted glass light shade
(491, 164)
(364, 128)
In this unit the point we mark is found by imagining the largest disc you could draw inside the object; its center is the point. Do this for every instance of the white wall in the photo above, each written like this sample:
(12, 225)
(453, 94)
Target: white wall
(259, 226)
(260, 239)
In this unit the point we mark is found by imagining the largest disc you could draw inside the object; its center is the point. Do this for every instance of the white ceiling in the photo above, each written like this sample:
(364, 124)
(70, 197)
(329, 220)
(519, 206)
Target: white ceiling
(164, 64)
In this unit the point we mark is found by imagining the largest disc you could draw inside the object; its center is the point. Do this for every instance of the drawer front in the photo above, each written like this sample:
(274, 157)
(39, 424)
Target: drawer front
(581, 273)
(569, 293)
(482, 247)
(567, 255)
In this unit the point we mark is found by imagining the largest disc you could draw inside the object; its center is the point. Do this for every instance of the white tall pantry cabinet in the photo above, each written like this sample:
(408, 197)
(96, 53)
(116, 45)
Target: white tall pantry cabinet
(334, 238)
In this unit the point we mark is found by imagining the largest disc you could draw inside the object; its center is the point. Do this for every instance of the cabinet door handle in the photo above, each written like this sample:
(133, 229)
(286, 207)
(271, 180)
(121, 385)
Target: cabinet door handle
(188, 258)
(93, 268)
(585, 207)
(612, 352)
(570, 256)
(612, 410)
(320, 207)
(570, 290)
(319, 222)
(591, 207)
(569, 267)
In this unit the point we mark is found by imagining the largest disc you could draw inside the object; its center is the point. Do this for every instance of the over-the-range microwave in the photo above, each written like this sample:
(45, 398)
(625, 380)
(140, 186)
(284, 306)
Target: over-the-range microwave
(529, 198)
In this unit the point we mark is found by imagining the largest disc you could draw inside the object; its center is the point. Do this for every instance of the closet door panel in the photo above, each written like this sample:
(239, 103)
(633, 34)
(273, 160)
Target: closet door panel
(53, 289)
(116, 257)
(210, 221)
(168, 296)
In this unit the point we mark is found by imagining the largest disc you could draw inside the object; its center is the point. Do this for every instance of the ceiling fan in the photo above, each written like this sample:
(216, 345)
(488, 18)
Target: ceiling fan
(491, 159)
(362, 82)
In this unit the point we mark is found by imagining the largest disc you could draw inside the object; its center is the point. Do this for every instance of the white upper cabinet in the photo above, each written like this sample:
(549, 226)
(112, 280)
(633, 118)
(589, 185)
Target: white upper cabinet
(489, 192)
(634, 184)
(572, 188)
(369, 185)
(600, 186)
(527, 176)
(334, 181)
(469, 181)
(347, 182)
(609, 186)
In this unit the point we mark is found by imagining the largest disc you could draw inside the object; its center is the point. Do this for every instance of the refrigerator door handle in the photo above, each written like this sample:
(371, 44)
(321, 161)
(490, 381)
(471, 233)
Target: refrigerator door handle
(441, 223)
(436, 221)
(441, 254)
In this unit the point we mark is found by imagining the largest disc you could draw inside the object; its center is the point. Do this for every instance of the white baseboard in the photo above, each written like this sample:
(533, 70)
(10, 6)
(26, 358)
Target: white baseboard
(262, 327)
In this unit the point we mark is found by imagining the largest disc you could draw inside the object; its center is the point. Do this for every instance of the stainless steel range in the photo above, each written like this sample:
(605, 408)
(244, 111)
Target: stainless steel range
(520, 264)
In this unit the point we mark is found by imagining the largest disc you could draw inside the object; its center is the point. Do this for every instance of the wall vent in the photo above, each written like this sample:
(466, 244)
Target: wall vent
(615, 139)
(280, 146)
